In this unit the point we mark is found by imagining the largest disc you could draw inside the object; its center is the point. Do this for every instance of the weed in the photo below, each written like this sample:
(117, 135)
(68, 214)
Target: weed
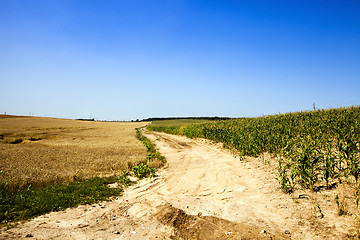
(24, 203)
(317, 208)
(342, 206)
(357, 195)
(153, 153)
(265, 160)
(143, 170)
(154, 158)
(124, 178)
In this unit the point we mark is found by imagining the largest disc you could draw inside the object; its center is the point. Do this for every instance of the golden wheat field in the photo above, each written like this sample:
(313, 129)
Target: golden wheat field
(40, 151)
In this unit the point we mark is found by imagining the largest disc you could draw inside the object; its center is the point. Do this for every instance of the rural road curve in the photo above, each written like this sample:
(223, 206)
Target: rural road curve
(204, 192)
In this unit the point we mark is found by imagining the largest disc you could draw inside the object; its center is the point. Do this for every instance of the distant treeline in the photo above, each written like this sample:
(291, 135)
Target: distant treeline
(85, 119)
(178, 118)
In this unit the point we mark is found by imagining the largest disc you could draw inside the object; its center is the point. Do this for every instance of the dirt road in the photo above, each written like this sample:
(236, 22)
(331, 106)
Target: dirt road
(204, 192)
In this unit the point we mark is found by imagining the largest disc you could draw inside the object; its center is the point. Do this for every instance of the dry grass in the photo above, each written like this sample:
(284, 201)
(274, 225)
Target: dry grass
(41, 151)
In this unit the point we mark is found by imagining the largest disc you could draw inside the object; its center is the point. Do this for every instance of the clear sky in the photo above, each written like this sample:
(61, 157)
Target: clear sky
(129, 59)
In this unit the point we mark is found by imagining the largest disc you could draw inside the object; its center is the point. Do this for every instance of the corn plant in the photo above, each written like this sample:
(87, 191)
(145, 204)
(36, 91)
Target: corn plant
(322, 145)
(329, 164)
(283, 178)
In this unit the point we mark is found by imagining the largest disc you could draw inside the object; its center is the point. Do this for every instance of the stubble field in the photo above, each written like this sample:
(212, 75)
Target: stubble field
(40, 151)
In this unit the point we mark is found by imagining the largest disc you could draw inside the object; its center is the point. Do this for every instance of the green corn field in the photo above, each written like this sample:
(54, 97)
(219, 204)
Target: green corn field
(313, 149)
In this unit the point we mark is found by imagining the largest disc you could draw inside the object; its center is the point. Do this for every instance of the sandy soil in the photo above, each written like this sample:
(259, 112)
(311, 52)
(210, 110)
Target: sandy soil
(204, 192)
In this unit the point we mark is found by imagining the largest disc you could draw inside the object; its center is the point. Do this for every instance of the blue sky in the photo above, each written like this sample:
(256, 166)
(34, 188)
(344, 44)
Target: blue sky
(129, 59)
